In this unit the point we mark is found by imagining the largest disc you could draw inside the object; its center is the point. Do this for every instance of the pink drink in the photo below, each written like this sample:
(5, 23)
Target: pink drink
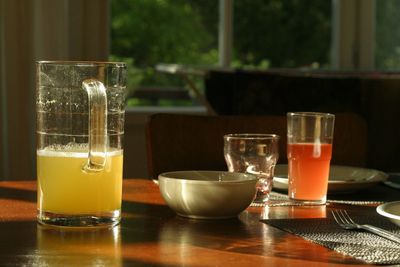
(309, 170)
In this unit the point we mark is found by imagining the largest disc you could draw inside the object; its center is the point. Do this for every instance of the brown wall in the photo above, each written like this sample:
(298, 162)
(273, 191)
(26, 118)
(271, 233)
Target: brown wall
(382, 101)
(19, 78)
(373, 95)
(40, 30)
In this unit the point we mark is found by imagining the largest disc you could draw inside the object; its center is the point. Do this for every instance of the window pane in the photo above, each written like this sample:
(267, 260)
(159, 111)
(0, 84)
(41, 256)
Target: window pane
(145, 33)
(282, 33)
(387, 50)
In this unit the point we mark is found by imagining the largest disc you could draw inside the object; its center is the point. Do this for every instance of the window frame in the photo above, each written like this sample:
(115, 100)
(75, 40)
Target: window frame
(353, 34)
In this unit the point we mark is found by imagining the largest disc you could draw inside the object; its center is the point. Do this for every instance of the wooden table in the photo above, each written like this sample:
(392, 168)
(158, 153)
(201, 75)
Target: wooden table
(150, 234)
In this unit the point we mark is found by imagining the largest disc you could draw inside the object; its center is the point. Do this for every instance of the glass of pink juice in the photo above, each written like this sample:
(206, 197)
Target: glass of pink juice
(309, 152)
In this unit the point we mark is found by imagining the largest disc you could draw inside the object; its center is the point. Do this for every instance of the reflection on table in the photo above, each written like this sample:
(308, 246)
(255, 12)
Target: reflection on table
(151, 234)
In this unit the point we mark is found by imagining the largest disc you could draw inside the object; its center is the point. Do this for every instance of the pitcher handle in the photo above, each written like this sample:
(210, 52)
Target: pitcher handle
(97, 127)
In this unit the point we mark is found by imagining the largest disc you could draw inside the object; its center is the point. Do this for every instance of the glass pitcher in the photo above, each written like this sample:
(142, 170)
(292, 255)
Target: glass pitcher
(80, 124)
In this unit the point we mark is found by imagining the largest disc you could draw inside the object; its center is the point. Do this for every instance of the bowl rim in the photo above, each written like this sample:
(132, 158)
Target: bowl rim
(381, 209)
(252, 177)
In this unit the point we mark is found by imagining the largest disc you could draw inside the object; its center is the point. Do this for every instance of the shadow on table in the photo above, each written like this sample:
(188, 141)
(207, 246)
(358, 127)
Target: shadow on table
(243, 235)
(156, 226)
(378, 192)
(18, 194)
(30, 244)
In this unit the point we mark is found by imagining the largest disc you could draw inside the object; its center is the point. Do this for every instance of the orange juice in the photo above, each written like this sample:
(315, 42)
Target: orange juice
(65, 188)
(309, 170)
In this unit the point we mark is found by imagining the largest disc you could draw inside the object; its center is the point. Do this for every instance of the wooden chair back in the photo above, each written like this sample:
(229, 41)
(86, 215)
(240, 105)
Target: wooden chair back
(195, 142)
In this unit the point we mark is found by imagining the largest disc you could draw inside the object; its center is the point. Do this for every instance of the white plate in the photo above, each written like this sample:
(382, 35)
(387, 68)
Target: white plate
(390, 210)
(342, 179)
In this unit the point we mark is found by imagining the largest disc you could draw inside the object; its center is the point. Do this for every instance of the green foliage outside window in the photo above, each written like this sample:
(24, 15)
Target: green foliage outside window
(273, 33)
(387, 49)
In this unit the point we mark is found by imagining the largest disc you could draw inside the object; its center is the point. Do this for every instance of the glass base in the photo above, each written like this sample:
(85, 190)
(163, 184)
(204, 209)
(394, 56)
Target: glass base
(103, 219)
(261, 197)
(305, 202)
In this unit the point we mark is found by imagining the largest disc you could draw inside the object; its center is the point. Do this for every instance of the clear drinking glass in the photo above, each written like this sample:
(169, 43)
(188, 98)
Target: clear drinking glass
(309, 151)
(80, 124)
(256, 154)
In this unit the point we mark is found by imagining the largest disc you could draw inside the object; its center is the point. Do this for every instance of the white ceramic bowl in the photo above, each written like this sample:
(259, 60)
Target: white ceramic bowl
(207, 194)
(390, 210)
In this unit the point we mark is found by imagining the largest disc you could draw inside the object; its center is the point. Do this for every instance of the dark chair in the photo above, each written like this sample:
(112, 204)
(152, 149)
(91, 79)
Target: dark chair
(195, 142)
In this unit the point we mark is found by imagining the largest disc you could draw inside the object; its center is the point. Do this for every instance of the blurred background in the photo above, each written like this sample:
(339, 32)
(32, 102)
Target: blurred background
(180, 53)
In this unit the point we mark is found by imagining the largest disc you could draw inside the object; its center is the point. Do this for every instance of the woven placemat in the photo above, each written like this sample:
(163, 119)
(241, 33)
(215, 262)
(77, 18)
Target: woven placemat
(358, 244)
